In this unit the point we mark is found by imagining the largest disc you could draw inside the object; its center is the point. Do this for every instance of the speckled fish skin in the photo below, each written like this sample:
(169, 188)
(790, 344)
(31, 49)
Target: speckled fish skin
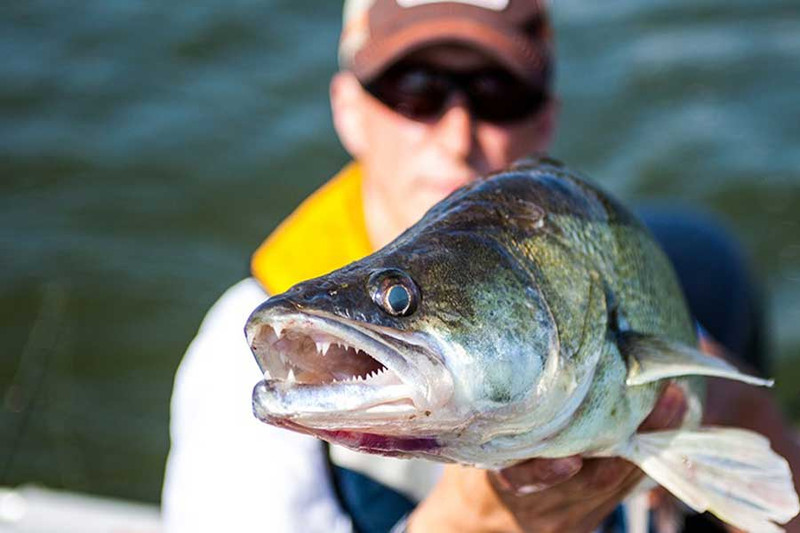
(520, 276)
(526, 315)
(582, 267)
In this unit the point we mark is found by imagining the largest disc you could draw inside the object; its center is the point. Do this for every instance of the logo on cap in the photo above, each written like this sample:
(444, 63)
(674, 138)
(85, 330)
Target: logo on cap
(494, 5)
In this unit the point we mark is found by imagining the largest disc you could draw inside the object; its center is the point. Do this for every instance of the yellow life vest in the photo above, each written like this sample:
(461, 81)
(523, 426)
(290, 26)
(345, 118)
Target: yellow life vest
(327, 231)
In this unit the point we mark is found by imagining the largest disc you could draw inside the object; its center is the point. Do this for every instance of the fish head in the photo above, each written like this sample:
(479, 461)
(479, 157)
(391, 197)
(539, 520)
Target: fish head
(392, 355)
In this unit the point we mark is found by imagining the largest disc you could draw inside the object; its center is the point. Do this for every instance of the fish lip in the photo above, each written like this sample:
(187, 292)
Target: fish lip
(427, 380)
(364, 441)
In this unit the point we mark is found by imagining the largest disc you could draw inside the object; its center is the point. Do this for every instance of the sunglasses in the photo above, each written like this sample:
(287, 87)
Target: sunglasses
(421, 92)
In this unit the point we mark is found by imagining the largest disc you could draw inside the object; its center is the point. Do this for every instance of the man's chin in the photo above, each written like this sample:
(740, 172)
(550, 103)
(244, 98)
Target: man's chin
(427, 194)
(440, 189)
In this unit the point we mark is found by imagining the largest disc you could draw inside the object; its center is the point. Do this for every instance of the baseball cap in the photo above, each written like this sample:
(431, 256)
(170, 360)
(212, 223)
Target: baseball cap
(378, 33)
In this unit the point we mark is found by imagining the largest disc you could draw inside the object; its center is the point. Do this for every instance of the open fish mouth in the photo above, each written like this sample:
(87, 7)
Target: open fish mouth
(325, 372)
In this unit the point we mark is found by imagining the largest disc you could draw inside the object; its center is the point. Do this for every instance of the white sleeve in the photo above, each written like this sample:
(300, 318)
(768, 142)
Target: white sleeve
(226, 470)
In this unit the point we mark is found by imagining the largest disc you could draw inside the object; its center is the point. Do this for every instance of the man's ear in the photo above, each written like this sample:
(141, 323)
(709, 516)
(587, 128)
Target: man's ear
(347, 108)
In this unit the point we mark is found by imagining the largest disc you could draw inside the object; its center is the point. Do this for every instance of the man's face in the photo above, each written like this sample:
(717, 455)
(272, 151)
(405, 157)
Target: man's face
(412, 163)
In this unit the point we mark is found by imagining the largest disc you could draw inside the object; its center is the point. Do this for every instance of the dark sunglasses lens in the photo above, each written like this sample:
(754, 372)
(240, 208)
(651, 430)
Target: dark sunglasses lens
(421, 93)
(416, 93)
(496, 96)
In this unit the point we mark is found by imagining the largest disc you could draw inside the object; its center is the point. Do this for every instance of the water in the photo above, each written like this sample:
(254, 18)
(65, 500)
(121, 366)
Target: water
(146, 149)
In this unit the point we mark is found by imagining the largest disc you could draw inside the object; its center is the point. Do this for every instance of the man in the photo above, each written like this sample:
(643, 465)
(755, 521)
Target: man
(430, 95)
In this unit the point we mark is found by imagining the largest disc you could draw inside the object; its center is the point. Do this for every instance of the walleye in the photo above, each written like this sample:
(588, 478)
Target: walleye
(526, 315)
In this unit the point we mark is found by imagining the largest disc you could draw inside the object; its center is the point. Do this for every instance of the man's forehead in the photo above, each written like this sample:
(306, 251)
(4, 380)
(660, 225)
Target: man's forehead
(452, 56)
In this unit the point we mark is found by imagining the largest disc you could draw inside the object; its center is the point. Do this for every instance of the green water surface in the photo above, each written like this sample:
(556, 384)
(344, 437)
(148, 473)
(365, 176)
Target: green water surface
(147, 148)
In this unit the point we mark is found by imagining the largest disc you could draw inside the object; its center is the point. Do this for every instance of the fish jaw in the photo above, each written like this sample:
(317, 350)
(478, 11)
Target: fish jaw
(360, 440)
(342, 380)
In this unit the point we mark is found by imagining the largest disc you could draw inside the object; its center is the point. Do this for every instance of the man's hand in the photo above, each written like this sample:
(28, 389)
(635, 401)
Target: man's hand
(543, 495)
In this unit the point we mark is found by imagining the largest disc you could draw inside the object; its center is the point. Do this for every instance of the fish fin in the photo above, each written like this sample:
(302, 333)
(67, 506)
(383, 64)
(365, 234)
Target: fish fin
(732, 473)
(652, 358)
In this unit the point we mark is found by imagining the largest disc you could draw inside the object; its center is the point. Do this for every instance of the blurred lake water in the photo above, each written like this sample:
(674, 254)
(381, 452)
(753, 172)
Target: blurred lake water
(147, 148)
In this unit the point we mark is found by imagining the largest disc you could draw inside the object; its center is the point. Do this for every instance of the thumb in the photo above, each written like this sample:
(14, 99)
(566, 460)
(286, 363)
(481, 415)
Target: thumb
(537, 474)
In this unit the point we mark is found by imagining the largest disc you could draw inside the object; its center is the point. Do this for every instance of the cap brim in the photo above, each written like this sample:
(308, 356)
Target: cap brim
(516, 52)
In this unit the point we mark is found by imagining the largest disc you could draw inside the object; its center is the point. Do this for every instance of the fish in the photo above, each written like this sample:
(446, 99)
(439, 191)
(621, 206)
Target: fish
(528, 314)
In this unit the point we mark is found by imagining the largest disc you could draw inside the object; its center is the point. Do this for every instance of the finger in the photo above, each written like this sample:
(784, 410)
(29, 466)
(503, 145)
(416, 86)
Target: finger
(668, 412)
(710, 346)
(537, 474)
(603, 476)
(659, 497)
(581, 502)
(604, 502)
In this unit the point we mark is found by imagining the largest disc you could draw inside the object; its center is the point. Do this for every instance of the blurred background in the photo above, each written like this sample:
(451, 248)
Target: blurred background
(146, 149)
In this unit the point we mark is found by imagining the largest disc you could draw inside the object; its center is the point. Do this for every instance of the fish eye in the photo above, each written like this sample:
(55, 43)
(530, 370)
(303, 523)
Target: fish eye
(394, 292)
(397, 299)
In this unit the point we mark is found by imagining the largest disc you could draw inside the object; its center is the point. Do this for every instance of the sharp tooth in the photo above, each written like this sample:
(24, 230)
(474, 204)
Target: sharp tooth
(290, 378)
(278, 328)
(322, 347)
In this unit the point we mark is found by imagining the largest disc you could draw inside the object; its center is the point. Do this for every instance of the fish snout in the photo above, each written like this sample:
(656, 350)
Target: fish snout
(281, 304)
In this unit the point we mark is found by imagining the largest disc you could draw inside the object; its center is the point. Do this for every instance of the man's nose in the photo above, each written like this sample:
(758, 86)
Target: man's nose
(455, 128)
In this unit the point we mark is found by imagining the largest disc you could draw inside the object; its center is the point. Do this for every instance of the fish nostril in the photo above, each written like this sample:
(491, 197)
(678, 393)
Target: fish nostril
(281, 301)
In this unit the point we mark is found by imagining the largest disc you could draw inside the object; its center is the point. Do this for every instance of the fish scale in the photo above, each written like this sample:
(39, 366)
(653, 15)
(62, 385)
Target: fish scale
(543, 320)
